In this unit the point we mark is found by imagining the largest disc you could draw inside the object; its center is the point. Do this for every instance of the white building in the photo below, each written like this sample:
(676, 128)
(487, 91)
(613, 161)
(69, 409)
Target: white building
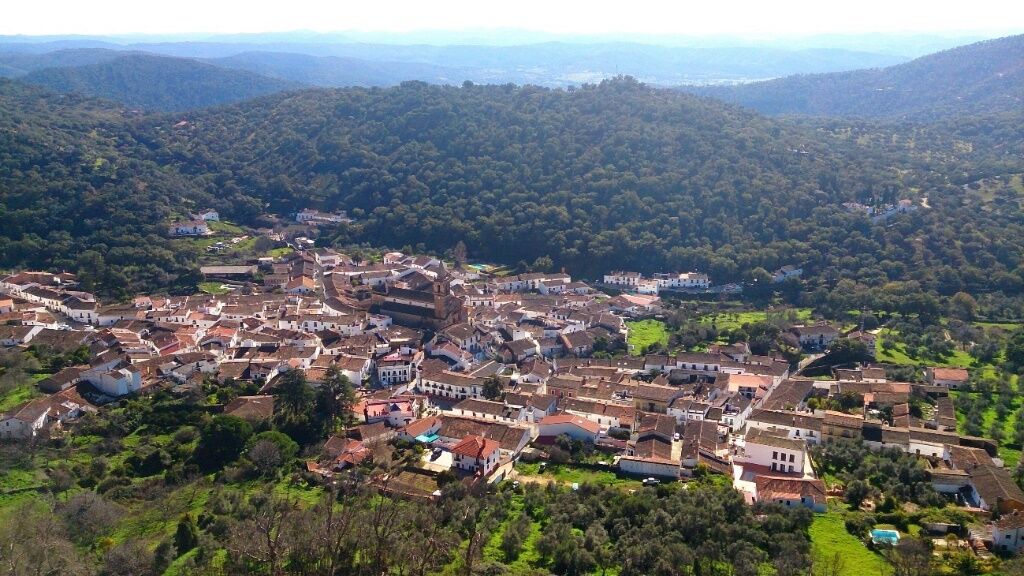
(476, 454)
(774, 451)
(192, 228)
(1008, 532)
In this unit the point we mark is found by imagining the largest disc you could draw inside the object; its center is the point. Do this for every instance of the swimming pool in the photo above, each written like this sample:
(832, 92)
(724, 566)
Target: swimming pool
(885, 537)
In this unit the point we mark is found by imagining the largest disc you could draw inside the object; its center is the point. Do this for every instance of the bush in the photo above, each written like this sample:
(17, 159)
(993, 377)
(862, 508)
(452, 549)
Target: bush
(859, 523)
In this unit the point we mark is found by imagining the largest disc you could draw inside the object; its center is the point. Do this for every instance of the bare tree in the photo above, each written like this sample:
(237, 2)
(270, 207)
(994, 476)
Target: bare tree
(262, 539)
(37, 544)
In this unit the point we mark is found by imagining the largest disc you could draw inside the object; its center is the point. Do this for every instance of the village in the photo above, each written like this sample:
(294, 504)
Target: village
(487, 375)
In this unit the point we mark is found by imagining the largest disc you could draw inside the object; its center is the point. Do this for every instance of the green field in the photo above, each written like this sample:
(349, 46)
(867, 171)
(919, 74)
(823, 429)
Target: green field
(643, 333)
(212, 288)
(225, 227)
(734, 320)
(568, 474)
(1008, 452)
(899, 355)
(829, 537)
(21, 393)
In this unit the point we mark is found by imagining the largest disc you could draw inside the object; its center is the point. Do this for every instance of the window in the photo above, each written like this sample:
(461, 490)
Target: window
(791, 457)
(790, 467)
(775, 455)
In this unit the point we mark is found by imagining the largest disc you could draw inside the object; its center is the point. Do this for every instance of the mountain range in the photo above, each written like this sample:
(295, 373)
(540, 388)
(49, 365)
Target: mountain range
(979, 78)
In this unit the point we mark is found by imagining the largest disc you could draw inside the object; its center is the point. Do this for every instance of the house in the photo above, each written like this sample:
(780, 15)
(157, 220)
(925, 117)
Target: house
(341, 452)
(952, 378)
(785, 273)
(207, 215)
(448, 384)
(476, 455)
(573, 426)
(18, 335)
(815, 338)
(579, 343)
(620, 278)
(119, 382)
(190, 228)
(252, 408)
(27, 421)
(1008, 532)
(300, 285)
(396, 368)
(790, 492)
(797, 425)
(774, 450)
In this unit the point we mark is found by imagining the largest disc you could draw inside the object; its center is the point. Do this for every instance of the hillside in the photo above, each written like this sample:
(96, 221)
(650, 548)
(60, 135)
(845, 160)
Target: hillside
(612, 175)
(78, 194)
(14, 64)
(608, 176)
(157, 82)
(980, 78)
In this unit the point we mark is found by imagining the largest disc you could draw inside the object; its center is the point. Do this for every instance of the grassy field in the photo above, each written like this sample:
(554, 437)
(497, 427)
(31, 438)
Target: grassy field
(1009, 453)
(212, 288)
(829, 537)
(644, 333)
(899, 355)
(280, 252)
(21, 393)
(733, 320)
(568, 474)
(225, 227)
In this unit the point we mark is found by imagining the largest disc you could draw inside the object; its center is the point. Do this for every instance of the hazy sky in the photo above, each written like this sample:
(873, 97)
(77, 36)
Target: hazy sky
(760, 18)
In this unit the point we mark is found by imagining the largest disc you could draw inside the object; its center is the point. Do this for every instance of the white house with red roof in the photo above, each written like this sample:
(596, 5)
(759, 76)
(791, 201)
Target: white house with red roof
(476, 455)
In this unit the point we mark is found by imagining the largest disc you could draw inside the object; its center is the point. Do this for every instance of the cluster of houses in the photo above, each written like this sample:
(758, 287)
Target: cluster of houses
(480, 369)
(314, 217)
(636, 282)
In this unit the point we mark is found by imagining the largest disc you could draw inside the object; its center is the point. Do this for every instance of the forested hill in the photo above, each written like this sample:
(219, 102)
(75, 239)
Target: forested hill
(605, 176)
(158, 83)
(616, 175)
(76, 193)
(979, 78)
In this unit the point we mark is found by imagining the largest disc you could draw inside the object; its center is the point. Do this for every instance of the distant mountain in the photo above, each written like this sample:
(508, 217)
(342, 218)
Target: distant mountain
(978, 78)
(14, 64)
(552, 63)
(335, 71)
(158, 83)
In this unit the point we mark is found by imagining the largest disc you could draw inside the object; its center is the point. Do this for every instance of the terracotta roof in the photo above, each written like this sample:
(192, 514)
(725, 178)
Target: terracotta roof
(476, 447)
(251, 407)
(771, 488)
(577, 421)
(959, 374)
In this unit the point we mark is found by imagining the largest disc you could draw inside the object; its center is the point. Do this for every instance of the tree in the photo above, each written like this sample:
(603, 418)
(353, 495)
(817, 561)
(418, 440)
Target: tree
(293, 396)
(1015, 349)
(856, 492)
(492, 388)
(186, 536)
(963, 306)
(335, 400)
(911, 557)
(268, 450)
(37, 543)
(459, 253)
(131, 558)
(221, 441)
(514, 536)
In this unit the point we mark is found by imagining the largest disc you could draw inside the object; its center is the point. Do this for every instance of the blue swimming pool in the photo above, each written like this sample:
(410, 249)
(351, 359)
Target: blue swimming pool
(885, 537)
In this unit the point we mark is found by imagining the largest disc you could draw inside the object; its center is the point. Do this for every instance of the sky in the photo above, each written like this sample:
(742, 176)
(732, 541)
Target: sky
(745, 18)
